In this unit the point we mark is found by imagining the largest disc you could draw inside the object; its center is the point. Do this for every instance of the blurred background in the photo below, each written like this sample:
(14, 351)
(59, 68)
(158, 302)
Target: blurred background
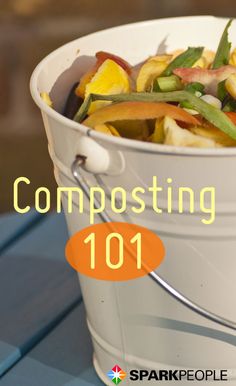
(29, 30)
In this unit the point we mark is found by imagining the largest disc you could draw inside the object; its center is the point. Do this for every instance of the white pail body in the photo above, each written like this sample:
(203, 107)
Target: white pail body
(135, 324)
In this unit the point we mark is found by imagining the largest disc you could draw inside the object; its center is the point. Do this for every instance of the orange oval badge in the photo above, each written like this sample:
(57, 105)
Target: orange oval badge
(115, 251)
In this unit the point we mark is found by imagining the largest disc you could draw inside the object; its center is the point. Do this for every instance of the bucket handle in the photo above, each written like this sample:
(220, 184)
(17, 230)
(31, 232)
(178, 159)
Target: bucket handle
(75, 169)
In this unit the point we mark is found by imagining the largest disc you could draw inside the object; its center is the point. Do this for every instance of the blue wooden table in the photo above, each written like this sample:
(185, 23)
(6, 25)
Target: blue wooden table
(44, 340)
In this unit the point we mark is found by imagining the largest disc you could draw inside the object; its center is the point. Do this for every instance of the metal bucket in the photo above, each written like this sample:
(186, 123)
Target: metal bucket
(136, 324)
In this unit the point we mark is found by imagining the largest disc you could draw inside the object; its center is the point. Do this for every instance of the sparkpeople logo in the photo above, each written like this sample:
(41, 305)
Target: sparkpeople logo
(116, 375)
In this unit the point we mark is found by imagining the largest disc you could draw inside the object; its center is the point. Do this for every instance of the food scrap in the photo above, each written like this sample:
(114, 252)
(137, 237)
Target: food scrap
(182, 98)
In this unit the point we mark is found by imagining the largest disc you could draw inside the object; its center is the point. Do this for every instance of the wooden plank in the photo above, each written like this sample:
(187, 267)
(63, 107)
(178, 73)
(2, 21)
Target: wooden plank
(13, 226)
(63, 358)
(49, 238)
(37, 289)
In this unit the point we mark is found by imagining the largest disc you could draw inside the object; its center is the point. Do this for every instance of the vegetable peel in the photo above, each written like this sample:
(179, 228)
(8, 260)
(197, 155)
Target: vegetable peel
(177, 136)
(138, 111)
(209, 78)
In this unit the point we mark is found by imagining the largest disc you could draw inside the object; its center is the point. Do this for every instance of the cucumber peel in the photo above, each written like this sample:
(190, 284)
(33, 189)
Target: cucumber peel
(187, 59)
(223, 52)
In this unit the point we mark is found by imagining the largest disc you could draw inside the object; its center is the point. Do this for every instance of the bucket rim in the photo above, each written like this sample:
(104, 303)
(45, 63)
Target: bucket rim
(131, 144)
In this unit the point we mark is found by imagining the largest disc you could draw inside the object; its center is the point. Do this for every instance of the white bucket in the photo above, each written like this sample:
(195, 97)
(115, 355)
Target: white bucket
(136, 324)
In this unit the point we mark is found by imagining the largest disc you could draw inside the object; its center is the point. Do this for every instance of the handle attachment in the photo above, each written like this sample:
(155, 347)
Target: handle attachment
(79, 161)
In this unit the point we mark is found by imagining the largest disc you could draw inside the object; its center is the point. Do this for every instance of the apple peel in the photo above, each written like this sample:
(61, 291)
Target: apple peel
(209, 78)
(138, 111)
